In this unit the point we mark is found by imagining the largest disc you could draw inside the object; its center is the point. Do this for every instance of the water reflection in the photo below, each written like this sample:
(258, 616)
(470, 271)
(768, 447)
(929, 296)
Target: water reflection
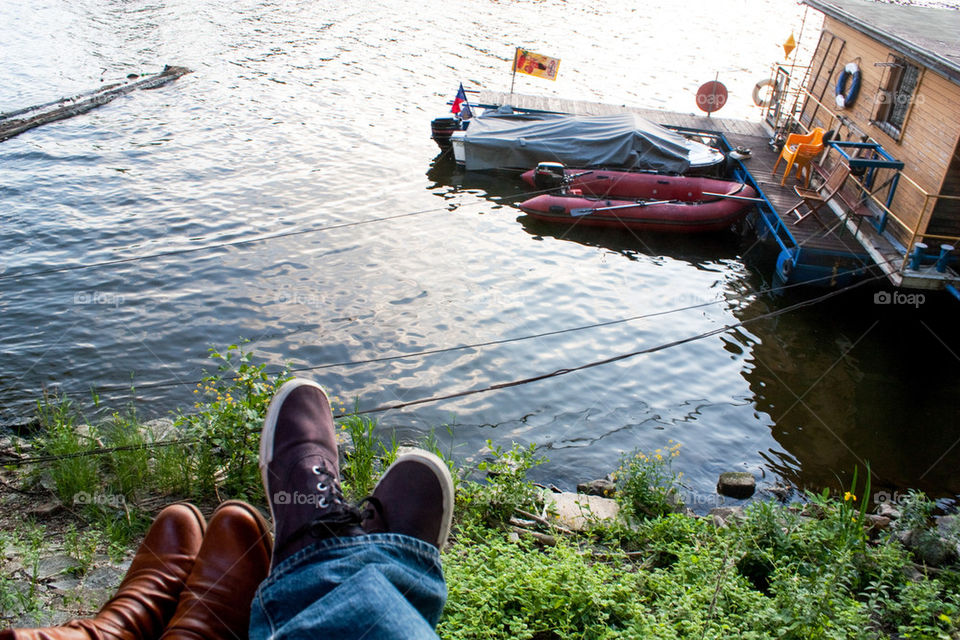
(301, 115)
(838, 401)
(703, 250)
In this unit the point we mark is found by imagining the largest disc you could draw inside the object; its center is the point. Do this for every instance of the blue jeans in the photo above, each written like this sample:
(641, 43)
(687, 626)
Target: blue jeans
(379, 586)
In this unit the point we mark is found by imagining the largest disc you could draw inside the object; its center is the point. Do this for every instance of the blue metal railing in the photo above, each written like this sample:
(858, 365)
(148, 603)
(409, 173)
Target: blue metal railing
(876, 158)
(768, 214)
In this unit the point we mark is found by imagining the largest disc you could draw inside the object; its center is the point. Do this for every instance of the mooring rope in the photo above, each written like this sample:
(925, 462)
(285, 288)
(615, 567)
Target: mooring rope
(489, 388)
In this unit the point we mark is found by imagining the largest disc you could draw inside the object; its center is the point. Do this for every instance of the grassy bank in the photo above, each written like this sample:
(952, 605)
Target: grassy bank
(822, 569)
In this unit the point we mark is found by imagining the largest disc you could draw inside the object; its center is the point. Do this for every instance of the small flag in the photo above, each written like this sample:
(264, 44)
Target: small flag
(789, 46)
(459, 101)
(534, 64)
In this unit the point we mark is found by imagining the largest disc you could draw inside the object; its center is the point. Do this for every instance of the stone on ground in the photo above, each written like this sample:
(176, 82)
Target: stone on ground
(736, 484)
(576, 510)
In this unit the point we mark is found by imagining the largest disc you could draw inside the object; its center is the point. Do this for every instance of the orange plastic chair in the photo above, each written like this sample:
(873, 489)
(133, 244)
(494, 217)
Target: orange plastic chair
(800, 150)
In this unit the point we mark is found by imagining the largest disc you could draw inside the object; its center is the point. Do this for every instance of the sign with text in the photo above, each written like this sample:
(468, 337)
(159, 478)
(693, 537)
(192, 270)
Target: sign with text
(711, 96)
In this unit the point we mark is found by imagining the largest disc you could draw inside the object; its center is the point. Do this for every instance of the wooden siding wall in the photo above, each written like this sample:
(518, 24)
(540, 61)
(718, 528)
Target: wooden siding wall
(930, 135)
(946, 216)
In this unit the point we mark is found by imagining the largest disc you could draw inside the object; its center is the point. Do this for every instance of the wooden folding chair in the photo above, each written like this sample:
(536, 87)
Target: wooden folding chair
(814, 200)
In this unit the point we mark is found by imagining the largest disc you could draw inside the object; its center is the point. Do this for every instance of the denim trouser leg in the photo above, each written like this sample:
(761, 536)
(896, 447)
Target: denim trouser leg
(376, 586)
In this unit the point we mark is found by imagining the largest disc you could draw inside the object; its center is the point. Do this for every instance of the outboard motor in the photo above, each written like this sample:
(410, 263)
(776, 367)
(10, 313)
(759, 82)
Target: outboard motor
(550, 175)
(442, 128)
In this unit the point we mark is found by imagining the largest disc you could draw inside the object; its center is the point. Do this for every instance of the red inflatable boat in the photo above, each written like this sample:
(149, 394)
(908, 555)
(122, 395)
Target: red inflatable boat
(650, 215)
(626, 184)
(640, 201)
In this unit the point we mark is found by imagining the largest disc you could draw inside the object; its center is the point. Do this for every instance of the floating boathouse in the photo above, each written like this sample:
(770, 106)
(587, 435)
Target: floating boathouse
(892, 147)
(899, 134)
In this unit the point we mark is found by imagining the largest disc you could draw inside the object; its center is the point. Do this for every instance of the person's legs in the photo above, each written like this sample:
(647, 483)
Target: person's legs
(330, 578)
(375, 586)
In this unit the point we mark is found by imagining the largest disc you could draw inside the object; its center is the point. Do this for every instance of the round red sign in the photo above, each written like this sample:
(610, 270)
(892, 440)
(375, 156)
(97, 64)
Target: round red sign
(711, 96)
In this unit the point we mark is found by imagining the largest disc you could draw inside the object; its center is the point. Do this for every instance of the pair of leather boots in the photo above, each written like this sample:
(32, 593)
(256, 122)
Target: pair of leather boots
(190, 580)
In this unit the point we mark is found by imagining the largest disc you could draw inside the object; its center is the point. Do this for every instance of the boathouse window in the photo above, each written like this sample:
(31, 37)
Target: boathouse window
(896, 95)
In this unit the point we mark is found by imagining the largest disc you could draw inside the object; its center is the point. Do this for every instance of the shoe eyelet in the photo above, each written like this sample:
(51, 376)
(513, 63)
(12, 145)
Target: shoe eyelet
(316, 470)
(323, 502)
(321, 486)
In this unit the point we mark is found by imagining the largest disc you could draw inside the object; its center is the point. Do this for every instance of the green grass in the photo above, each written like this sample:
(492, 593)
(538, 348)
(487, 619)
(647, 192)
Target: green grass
(779, 573)
(26, 543)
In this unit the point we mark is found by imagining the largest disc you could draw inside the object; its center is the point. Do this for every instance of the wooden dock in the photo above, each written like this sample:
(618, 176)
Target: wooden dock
(831, 237)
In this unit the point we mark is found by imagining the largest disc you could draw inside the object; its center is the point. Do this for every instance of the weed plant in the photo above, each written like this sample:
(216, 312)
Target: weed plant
(647, 485)
(73, 473)
(779, 572)
(490, 504)
(229, 414)
(365, 457)
(82, 546)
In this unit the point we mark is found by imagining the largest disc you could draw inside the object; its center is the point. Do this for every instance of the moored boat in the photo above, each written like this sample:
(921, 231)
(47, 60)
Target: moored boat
(507, 139)
(607, 183)
(679, 215)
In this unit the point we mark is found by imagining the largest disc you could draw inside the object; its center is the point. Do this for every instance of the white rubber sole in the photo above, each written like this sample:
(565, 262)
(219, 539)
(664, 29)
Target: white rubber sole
(269, 430)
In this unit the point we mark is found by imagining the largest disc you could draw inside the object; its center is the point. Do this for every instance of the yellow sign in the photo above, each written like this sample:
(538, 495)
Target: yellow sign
(534, 64)
(789, 46)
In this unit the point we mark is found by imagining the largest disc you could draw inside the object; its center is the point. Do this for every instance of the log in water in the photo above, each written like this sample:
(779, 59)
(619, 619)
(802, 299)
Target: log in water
(11, 126)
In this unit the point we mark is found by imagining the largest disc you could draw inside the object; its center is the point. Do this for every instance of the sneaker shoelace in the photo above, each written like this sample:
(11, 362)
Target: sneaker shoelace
(373, 508)
(335, 517)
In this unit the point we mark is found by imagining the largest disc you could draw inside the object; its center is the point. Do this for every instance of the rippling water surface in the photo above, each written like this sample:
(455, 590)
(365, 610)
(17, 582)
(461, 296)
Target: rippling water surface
(315, 116)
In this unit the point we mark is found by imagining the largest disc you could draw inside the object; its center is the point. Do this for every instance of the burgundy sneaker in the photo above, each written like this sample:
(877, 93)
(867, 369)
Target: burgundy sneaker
(301, 471)
(413, 497)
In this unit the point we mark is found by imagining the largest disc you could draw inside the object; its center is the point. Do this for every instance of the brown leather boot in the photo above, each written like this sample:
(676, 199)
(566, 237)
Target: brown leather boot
(148, 595)
(231, 564)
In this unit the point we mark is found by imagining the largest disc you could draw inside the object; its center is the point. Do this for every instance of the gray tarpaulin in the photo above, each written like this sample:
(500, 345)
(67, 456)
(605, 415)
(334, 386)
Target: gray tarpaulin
(512, 140)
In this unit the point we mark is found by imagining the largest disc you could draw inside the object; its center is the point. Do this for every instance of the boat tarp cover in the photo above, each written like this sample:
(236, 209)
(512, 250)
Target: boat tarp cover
(500, 140)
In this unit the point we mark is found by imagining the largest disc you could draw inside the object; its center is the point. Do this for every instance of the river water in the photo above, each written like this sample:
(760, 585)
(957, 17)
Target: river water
(314, 116)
